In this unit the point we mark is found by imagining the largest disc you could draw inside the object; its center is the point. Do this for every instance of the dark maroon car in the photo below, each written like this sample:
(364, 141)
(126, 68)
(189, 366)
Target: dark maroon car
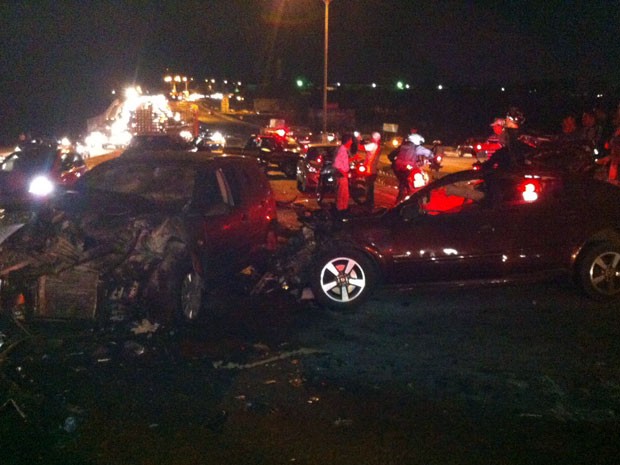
(473, 226)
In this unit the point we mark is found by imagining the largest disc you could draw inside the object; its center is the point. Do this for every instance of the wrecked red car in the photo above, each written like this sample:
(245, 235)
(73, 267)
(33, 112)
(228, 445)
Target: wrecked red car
(145, 233)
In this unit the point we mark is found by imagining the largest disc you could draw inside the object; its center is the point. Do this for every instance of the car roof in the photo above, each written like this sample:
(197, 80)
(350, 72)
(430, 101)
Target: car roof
(323, 144)
(180, 156)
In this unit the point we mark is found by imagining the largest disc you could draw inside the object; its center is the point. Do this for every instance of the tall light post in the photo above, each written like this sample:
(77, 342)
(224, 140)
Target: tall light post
(325, 61)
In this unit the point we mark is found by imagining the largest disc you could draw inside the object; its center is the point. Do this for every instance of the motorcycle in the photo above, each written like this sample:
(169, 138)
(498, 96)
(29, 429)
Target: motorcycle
(416, 176)
(435, 162)
(328, 180)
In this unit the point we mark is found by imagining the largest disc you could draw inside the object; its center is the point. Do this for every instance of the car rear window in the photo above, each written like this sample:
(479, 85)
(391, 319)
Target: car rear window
(326, 153)
(164, 183)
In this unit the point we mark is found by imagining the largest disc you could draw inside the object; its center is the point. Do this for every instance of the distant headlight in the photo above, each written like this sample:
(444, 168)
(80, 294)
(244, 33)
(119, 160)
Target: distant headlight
(41, 186)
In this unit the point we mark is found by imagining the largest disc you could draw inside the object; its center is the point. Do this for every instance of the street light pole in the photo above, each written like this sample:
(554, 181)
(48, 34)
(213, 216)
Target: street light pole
(325, 61)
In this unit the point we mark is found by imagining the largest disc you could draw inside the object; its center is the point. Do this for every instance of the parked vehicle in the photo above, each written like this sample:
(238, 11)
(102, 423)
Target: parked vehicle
(280, 151)
(327, 182)
(311, 163)
(479, 147)
(35, 172)
(147, 233)
(475, 227)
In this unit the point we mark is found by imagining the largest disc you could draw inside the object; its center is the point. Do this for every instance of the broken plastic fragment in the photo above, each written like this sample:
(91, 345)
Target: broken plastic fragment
(307, 294)
(145, 326)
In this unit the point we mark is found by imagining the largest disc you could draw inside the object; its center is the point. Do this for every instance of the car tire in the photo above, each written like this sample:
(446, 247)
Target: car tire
(178, 294)
(320, 192)
(599, 271)
(290, 170)
(191, 297)
(342, 280)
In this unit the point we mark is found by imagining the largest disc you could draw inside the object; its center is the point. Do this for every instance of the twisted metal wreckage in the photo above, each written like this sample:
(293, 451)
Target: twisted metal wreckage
(59, 266)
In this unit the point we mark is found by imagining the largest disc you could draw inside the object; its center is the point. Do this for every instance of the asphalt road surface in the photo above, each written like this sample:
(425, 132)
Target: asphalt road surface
(524, 374)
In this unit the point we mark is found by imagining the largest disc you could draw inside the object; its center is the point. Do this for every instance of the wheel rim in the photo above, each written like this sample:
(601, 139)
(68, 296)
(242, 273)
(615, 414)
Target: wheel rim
(605, 274)
(343, 279)
(191, 295)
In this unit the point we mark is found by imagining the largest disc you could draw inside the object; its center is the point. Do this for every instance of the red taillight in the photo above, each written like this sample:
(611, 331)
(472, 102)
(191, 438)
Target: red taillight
(530, 190)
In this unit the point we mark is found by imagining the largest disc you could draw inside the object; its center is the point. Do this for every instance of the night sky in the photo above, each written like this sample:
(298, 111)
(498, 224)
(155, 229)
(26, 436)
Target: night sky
(62, 59)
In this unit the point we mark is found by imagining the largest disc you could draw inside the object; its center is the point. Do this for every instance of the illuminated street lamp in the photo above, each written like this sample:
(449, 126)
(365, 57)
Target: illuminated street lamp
(325, 60)
(168, 79)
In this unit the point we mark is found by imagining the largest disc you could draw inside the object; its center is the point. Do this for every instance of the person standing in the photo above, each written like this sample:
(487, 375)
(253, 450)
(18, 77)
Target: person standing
(513, 153)
(614, 156)
(569, 129)
(341, 166)
(373, 152)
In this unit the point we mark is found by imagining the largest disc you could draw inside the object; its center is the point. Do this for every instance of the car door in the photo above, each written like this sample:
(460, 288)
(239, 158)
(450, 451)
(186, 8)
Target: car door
(217, 223)
(545, 220)
(450, 232)
(253, 200)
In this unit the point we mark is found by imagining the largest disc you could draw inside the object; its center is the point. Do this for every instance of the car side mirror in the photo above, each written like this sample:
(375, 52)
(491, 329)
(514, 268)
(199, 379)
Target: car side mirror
(410, 212)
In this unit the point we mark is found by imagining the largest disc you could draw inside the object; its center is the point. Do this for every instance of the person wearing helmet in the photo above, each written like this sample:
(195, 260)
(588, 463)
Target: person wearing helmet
(514, 153)
(409, 156)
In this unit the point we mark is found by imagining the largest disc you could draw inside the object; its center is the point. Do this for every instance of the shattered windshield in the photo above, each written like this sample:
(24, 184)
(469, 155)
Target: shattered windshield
(167, 183)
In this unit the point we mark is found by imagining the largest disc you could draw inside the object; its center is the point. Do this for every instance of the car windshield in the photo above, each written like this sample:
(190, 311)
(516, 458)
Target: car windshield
(164, 183)
(29, 161)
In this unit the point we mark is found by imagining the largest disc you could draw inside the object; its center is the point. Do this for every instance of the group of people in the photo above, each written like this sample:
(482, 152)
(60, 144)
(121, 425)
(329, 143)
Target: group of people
(405, 159)
(598, 132)
(594, 132)
(513, 152)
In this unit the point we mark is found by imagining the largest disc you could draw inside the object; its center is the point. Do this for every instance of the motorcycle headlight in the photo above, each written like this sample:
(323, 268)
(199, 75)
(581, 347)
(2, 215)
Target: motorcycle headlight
(41, 186)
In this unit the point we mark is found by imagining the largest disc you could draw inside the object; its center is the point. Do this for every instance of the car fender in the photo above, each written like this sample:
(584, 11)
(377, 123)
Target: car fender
(605, 235)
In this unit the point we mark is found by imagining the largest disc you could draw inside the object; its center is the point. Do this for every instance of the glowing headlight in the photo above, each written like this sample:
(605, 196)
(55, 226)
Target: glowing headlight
(418, 180)
(41, 186)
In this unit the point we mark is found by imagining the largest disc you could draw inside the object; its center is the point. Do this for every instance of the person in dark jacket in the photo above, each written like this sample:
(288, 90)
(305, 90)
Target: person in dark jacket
(514, 152)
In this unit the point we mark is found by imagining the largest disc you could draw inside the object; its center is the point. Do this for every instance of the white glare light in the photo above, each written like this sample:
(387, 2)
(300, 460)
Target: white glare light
(41, 186)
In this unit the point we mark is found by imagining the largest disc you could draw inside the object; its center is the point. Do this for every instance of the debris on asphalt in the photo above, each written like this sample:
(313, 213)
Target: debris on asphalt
(220, 365)
(13, 404)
